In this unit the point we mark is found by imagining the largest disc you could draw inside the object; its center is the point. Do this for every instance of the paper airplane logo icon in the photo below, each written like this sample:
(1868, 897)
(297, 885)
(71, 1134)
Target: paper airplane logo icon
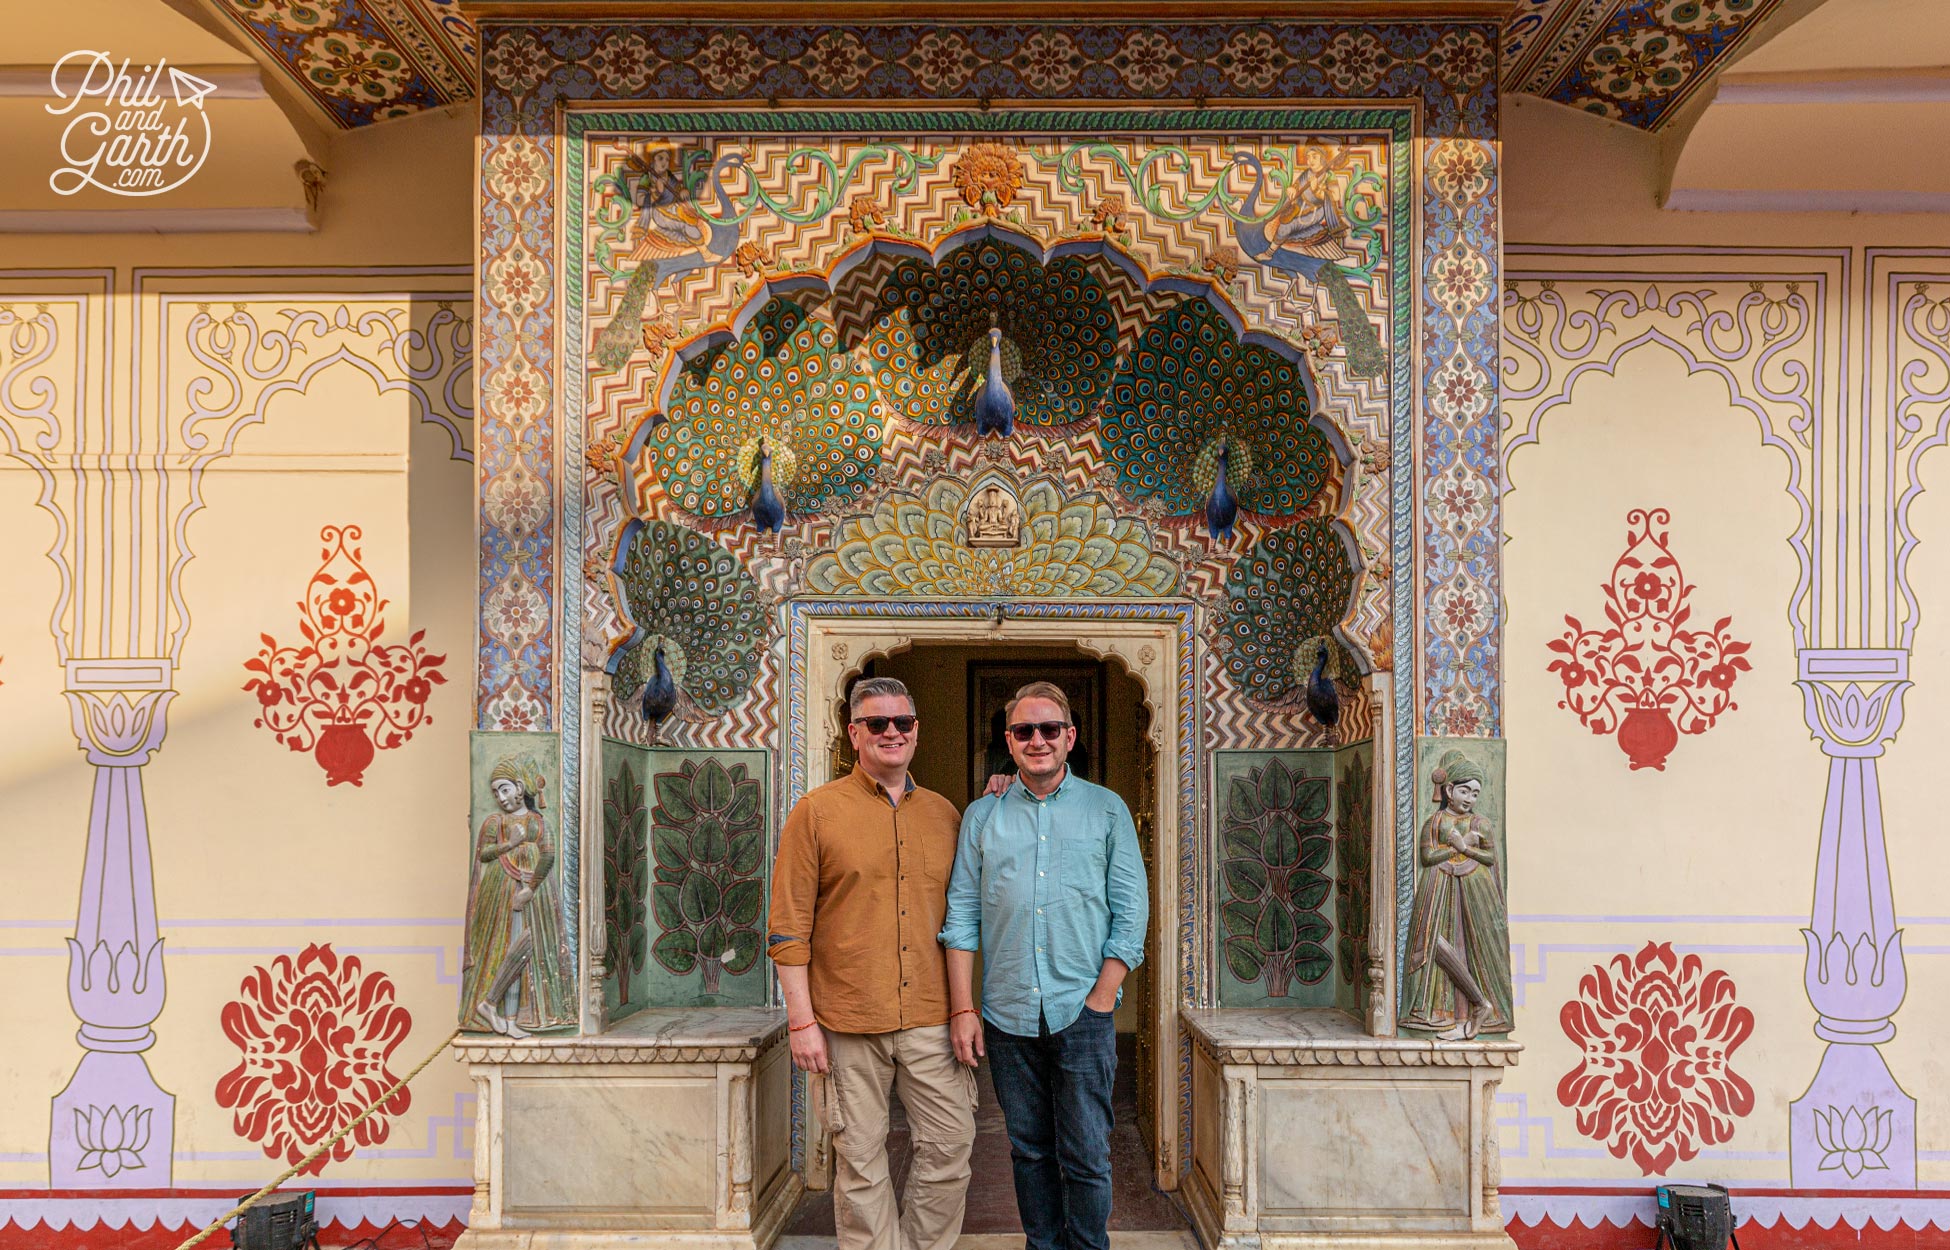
(189, 89)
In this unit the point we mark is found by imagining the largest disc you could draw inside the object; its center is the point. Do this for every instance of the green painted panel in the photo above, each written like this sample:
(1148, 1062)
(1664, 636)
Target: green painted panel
(708, 862)
(1354, 873)
(1273, 814)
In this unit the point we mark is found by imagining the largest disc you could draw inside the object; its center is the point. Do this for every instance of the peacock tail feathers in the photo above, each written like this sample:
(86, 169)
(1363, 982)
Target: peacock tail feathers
(1292, 588)
(785, 380)
(928, 344)
(1190, 382)
(698, 599)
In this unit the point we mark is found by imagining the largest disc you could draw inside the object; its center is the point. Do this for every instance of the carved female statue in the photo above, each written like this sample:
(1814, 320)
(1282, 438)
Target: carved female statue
(515, 973)
(1458, 973)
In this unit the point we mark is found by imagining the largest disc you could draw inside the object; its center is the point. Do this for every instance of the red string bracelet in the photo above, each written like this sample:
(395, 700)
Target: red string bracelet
(801, 1028)
(965, 1011)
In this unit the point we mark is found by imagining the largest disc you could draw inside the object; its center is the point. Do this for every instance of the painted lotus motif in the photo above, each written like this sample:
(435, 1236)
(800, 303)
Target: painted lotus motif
(317, 1035)
(1656, 1080)
(112, 1138)
(1854, 1141)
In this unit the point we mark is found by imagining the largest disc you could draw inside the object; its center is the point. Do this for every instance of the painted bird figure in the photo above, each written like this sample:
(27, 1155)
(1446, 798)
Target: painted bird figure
(660, 692)
(1323, 700)
(995, 407)
(1221, 509)
(768, 510)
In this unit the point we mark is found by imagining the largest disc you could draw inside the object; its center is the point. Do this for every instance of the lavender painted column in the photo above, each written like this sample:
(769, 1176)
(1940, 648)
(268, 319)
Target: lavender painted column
(113, 1127)
(1854, 1127)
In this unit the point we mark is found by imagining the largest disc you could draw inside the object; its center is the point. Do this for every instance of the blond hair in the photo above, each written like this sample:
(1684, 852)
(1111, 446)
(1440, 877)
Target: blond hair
(1040, 690)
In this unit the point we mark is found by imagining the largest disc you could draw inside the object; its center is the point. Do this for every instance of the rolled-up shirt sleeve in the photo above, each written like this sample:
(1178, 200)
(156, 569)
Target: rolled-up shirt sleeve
(795, 889)
(961, 929)
(1130, 894)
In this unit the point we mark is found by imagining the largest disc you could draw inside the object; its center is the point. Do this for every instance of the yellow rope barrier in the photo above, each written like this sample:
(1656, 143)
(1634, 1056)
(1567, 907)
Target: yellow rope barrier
(321, 1148)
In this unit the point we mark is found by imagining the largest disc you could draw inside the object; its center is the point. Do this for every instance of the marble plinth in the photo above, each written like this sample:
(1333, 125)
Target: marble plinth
(646, 1134)
(1305, 1131)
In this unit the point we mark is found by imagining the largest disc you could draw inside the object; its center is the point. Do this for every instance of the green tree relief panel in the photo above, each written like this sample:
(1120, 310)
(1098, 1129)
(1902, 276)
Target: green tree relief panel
(707, 834)
(1276, 853)
(685, 853)
(1354, 871)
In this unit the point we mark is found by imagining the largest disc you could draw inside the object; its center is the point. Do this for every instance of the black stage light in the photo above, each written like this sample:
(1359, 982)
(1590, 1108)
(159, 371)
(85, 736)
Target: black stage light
(278, 1222)
(1695, 1217)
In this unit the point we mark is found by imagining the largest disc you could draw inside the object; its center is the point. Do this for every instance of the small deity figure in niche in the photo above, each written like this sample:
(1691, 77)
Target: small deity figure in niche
(1309, 219)
(994, 518)
(668, 224)
(1458, 973)
(515, 975)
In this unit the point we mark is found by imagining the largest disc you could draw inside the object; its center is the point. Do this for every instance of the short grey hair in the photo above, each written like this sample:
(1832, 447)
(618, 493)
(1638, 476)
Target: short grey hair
(876, 688)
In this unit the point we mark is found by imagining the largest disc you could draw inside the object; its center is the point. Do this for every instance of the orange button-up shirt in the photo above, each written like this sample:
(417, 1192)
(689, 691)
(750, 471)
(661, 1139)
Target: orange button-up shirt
(859, 891)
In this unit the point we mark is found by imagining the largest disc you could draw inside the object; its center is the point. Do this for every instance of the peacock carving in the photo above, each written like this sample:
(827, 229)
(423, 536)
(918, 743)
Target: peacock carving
(1191, 391)
(935, 359)
(782, 407)
(700, 622)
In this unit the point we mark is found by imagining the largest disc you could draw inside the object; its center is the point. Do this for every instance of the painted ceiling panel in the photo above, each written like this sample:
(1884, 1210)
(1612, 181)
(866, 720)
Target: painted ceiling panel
(361, 61)
(1636, 61)
(1632, 60)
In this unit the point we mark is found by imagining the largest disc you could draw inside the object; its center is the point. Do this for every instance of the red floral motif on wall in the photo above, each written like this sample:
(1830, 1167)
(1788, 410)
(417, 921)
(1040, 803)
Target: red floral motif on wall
(316, 1037)
(343, 694)
(1656, 1080)
(1644, 675)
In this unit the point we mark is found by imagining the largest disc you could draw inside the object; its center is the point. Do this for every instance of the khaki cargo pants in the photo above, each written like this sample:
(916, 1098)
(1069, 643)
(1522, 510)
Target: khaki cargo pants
(939, 1095)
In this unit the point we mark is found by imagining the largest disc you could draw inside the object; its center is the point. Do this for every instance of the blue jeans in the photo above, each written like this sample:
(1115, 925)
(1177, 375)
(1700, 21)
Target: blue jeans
(1054, 1089)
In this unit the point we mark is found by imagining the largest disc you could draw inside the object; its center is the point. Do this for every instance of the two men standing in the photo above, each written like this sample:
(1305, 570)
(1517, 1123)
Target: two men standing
(1045, 879)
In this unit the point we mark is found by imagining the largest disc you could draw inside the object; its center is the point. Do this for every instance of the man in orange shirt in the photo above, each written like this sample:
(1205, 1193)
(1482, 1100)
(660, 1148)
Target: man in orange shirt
(859, 892)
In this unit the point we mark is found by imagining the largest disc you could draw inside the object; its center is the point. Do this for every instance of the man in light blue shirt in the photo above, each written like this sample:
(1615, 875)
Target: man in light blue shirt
(1049, 885)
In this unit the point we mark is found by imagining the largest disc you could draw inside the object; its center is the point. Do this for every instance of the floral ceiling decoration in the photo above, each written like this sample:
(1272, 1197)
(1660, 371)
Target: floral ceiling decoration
(360, 62)
(1635, 60)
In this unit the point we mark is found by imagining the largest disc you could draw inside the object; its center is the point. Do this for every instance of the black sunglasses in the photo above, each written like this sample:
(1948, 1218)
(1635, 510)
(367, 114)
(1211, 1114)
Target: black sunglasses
(877, 725)
(1051, 729)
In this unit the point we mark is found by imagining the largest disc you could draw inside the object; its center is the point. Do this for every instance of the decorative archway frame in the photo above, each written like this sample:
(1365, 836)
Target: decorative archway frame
(1764, 329)
(1155, 642)
(586, 513)
(1443, 73)
(1434, 83)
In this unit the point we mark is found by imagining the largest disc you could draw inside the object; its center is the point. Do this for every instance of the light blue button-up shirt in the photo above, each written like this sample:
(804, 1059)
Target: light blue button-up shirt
(1046, 889)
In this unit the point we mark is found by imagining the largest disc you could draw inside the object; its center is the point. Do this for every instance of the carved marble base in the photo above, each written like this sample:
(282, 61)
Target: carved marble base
(646, 1134)
(1306, 1131)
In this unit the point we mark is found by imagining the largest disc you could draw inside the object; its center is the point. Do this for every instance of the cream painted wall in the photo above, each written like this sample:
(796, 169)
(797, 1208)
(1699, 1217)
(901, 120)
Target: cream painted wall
(1716, 853)
(254, 855)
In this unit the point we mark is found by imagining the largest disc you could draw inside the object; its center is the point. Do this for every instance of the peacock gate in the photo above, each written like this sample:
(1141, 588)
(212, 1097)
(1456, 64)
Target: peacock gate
(1156, 361)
